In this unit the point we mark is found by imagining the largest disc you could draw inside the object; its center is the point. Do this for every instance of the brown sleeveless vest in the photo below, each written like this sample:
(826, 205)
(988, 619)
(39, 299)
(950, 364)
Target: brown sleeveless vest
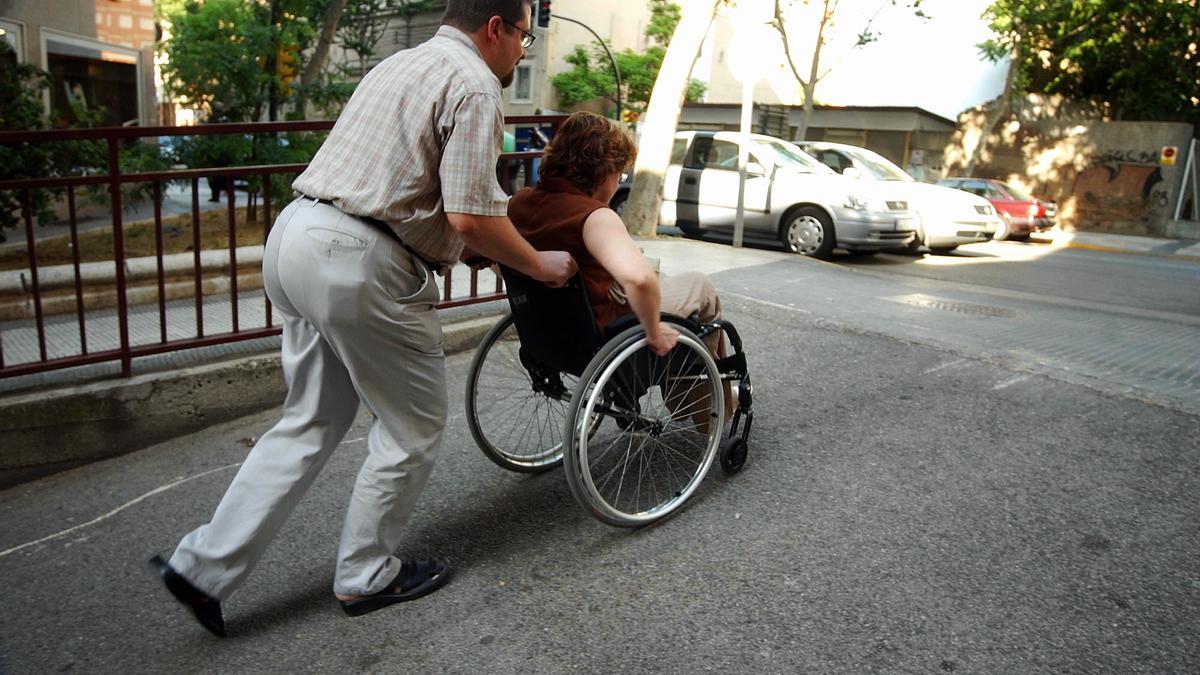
(551, 217)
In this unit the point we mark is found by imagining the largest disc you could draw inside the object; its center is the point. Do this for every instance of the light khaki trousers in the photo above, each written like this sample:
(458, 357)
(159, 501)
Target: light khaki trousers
(358, 325)
(691, 293)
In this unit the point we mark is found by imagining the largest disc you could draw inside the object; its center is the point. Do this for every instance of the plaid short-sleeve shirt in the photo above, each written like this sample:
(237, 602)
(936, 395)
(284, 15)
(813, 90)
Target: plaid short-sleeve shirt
(419, 138)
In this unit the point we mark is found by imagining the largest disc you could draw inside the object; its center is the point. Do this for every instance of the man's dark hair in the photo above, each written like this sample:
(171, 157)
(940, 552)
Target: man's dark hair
(470, 15)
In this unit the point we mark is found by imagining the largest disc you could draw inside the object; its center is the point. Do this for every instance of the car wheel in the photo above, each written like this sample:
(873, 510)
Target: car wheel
(943, 249)
(618, 203)
(1024, 236)
(809, 232)
(913, 247)
(689, 231)
(1003, 231)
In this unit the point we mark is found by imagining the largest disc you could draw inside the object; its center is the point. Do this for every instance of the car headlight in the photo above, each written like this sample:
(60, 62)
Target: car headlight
(1033, 210)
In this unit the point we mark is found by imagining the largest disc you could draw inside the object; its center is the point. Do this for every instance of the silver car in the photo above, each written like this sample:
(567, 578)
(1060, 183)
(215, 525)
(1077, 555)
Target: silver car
(789, 197)
(947, 218)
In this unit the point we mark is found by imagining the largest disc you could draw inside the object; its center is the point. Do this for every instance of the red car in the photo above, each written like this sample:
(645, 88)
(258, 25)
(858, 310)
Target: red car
(1022, 212)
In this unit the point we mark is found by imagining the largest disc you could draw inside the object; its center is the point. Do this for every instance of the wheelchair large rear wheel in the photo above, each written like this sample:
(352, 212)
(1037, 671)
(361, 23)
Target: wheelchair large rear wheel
(516, 418)
(669, 413)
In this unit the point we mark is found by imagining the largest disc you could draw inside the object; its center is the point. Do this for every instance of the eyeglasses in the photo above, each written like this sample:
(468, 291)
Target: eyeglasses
(527, 39)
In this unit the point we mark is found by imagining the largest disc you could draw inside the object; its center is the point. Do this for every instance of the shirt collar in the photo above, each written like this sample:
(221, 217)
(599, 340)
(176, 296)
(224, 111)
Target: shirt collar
(460, 37)
(560, 185)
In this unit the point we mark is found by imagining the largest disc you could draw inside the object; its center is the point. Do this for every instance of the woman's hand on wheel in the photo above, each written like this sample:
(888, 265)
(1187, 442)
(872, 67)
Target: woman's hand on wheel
(662, 340)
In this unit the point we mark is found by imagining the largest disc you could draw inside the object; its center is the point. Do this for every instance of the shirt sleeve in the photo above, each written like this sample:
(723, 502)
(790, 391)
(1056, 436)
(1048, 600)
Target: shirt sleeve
(468, 168)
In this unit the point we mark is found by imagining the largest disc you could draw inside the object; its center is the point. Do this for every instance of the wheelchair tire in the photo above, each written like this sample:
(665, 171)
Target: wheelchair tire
(733, 455)
(515, 425)
(632, 474)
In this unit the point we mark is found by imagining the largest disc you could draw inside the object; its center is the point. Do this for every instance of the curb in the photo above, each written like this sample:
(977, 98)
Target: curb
(1071, 242)
(1113, 249)
(53, 430)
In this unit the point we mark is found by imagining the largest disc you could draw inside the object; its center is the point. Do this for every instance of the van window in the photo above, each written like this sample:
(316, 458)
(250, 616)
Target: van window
(678, 151)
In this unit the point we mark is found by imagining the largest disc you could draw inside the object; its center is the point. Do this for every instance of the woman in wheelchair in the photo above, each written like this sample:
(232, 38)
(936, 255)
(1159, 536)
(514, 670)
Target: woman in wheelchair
(619, 344)
(568, 211)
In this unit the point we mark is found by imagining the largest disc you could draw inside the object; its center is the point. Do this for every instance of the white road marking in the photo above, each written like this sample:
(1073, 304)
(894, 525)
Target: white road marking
(161, 488)
(1010, 382)
(110, 514)
(948, 364)
(768, 303)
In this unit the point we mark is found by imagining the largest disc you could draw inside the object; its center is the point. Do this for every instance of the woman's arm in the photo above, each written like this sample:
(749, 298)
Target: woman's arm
(605, 237)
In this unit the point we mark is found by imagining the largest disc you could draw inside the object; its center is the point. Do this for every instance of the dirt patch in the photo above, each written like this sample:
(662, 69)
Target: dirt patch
(177, 237)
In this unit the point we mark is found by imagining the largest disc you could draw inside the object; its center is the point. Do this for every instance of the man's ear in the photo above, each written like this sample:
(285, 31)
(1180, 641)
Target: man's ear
(494, 26)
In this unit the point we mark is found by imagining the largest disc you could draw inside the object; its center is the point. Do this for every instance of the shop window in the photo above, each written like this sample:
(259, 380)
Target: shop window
(94, 77)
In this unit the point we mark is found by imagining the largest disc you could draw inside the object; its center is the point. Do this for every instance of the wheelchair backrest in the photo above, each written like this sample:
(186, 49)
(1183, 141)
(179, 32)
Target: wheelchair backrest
(556, 325)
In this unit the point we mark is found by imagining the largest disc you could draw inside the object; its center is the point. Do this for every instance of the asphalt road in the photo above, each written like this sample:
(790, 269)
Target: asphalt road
(915, 501)
(1116, 279)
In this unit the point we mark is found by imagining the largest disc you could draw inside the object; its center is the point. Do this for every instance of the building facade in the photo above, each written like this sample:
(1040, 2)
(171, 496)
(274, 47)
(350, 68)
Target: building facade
(99, 53)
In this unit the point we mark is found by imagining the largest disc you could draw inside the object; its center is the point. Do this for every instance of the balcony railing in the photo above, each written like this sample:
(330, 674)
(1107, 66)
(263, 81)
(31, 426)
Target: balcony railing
(181, 294)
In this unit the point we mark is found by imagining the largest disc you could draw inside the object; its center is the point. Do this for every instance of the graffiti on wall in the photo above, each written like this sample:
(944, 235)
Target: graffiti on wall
(1120, 189)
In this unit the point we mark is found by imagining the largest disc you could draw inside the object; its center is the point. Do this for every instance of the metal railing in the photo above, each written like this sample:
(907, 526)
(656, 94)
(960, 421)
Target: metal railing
(169, 337)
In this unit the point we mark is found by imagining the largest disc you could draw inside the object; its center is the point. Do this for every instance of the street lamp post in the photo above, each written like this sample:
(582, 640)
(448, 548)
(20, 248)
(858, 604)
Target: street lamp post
(749, 60)
(616, 71)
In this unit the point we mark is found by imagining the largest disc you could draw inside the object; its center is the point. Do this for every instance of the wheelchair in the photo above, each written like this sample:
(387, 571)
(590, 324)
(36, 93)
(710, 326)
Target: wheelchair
(636, 432)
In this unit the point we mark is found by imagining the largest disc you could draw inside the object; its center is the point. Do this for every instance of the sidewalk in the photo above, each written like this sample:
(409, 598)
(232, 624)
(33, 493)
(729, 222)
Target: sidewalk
(1122, 243)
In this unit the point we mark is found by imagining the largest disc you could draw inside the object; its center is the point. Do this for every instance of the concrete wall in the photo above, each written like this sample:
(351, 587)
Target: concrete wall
(1106, 176)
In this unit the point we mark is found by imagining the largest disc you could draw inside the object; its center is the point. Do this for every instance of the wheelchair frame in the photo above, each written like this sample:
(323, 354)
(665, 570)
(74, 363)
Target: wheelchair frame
(612, 376)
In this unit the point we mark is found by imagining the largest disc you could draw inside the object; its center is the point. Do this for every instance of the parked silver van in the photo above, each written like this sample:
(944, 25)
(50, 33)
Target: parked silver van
(789, 196)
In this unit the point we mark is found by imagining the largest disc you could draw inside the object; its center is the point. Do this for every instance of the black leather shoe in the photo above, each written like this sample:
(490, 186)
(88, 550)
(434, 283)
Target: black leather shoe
(206, 608)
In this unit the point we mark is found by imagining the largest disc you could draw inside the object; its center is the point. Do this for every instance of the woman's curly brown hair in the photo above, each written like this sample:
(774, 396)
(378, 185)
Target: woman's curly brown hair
(586, 149)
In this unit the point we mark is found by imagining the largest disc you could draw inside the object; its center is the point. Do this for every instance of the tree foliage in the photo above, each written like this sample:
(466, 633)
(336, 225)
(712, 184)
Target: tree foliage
(591, 75)
(221, 53)
(1140, 58)
(21, 109)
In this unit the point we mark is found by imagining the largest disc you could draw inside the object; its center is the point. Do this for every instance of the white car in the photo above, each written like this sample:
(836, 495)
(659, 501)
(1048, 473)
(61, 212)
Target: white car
(789, 197)
(947, 218)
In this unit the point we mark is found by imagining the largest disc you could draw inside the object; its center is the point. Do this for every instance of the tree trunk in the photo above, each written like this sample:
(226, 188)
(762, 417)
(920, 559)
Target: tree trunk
(273, 92)
(662, 117)
(994, 117)
(316, 62)
(809, 85)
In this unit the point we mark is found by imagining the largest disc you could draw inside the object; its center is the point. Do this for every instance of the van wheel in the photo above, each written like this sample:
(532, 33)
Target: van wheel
(809, 232)
(618, 203)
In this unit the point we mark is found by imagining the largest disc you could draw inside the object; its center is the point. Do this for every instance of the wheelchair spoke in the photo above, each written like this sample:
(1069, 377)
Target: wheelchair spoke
(516, 422)
(664, 438)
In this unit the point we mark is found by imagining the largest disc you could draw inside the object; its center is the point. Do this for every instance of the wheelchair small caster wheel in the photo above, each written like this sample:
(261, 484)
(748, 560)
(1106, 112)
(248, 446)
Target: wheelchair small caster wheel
(733, 455)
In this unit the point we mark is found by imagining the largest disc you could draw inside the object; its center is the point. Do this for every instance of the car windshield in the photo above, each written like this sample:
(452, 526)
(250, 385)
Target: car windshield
(791, 157)
(1017, 192)
(879, 167)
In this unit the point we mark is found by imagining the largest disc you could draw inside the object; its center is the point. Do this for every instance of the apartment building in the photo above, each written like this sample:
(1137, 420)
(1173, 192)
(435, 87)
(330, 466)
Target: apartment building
(100, 54)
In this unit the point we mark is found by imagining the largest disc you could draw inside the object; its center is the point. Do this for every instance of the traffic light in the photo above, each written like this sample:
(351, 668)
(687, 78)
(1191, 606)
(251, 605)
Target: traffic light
(543, 13)
(285, 68)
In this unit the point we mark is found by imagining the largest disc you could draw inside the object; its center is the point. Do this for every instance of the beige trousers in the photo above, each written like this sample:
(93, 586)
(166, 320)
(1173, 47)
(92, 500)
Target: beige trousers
(359, 325)
(693, 293)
